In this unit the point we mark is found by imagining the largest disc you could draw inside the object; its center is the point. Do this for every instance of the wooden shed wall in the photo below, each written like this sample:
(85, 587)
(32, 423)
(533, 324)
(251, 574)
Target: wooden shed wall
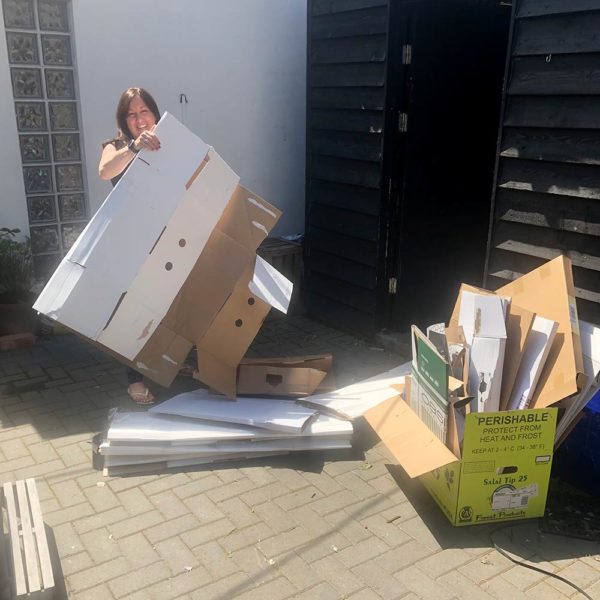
(547, 191)
(347, 69)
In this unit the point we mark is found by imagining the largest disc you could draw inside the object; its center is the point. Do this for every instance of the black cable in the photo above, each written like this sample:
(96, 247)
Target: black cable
(530, 566)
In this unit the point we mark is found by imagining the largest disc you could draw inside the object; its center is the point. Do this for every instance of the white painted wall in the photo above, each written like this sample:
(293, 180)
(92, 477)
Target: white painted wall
(13, 210)
(241, 64)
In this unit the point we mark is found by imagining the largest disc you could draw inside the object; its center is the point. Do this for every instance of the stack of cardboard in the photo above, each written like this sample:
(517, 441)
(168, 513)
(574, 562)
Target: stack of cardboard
(477, 418)
(199, 427)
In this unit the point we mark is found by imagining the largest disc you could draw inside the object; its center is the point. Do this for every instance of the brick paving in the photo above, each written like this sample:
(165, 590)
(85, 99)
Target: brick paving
(320, 525)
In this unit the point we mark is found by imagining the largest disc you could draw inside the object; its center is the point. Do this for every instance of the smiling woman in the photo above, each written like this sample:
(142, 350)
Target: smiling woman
(137, 115)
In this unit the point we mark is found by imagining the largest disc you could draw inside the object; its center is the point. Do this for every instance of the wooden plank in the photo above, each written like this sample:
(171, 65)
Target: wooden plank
(581, 181)
(365, 49)
(583, 250)
(15, 543)
(31, 562)
(553, 111)
(40, 535)
(325, 7)
(342, 269)
(561, 34)
(355, 97)
(345, 24)
(535, 8)
(343, 292)
(349, 197)
(366, 121)
(353, 75)
(560, 145)
(354, 225)
(546, 210)
(366, 174)
(5, 591)
(361, 251)
(342, 144)
(567, 74)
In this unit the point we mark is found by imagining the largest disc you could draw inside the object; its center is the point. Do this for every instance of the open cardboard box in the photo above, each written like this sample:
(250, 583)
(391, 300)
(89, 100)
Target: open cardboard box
(169, 261)
(502, 473)
(502, 470)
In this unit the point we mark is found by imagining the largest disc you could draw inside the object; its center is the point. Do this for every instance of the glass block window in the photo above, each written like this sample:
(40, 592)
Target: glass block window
(44, 86)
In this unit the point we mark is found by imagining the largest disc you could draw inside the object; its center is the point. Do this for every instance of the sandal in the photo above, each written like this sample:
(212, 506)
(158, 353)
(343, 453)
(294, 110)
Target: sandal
(141, 398)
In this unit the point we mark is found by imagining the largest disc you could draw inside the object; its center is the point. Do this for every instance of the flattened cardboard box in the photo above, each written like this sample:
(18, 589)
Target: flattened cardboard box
(505, 467)
(290, 376)
(149, 297)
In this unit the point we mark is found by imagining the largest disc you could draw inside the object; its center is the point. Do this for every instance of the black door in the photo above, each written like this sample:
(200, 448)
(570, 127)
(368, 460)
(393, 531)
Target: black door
(445, 157)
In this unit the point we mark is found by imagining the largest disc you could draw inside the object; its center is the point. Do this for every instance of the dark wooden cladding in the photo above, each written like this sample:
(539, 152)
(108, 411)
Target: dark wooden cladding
(346, 293)
(574, 112)
(560, 145)
(346, 50)
(345, 270)
(582, 181)
(347, 67)
(540, 8)
(348, 197)
(361, 251)
(365, 146)
(560, 75)
(362, 173)
(326, 7)
(354, 75)
(547, 199)
(353, 23)
(559, 34)
(345, 222)
(344, 98)
(546, 210)
(361, 121)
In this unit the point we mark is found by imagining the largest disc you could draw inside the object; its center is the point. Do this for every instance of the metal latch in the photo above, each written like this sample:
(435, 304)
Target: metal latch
(407, 54)
(392, 285)
(402, 122)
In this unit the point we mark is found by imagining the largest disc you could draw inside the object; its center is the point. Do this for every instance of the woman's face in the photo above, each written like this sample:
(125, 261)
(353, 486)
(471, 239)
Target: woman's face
(139, 117)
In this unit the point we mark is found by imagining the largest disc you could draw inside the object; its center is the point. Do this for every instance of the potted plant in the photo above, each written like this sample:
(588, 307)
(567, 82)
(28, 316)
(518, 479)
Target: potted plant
(16, 279)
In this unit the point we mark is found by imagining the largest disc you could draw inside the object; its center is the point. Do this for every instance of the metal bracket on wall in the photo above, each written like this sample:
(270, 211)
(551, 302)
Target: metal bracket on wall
(392, 285)
(407, 54)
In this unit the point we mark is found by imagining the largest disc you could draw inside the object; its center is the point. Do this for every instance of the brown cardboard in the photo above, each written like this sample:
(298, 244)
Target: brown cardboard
(291, 376)
(549, 292)
(409, 440)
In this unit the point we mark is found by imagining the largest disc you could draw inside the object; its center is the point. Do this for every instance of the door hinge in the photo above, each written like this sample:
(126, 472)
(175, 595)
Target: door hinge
(407, 54)
(392, 285)
(402, 122)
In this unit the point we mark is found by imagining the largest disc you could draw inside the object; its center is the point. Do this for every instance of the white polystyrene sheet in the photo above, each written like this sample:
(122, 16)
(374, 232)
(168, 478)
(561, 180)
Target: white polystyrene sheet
(168, 462)
(271, 286)
(131, 426)
(287, 443)
(536, 350)
(354, 400)
(165, 270)
(279, 415)
(119, 237)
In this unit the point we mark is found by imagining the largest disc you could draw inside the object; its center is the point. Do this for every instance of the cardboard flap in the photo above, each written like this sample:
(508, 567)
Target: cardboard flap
(273, 380)
(549, 291)
(410, 441)
(321, 362)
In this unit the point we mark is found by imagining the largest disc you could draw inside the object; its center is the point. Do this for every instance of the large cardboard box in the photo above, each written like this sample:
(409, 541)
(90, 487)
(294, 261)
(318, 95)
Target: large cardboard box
(502, 474)
(168, 261)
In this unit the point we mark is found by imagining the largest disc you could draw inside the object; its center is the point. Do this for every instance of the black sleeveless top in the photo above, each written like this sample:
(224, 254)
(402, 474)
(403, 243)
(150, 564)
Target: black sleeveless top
(118, 143)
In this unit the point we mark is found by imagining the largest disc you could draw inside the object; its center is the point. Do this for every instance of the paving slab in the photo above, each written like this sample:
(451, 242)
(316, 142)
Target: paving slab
(318, 525)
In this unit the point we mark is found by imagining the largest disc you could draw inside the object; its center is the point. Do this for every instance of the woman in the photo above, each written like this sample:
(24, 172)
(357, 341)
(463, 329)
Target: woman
(137, 115)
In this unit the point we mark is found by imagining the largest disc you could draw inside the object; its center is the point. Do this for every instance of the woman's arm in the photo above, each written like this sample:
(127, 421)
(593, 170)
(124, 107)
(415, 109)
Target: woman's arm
(113, 161)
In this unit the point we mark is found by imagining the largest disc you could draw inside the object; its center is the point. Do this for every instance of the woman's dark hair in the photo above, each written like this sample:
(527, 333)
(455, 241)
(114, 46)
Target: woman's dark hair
(123, 107)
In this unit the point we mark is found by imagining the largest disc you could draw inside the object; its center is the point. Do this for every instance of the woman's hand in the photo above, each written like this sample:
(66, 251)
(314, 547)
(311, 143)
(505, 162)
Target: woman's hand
(147, 140)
